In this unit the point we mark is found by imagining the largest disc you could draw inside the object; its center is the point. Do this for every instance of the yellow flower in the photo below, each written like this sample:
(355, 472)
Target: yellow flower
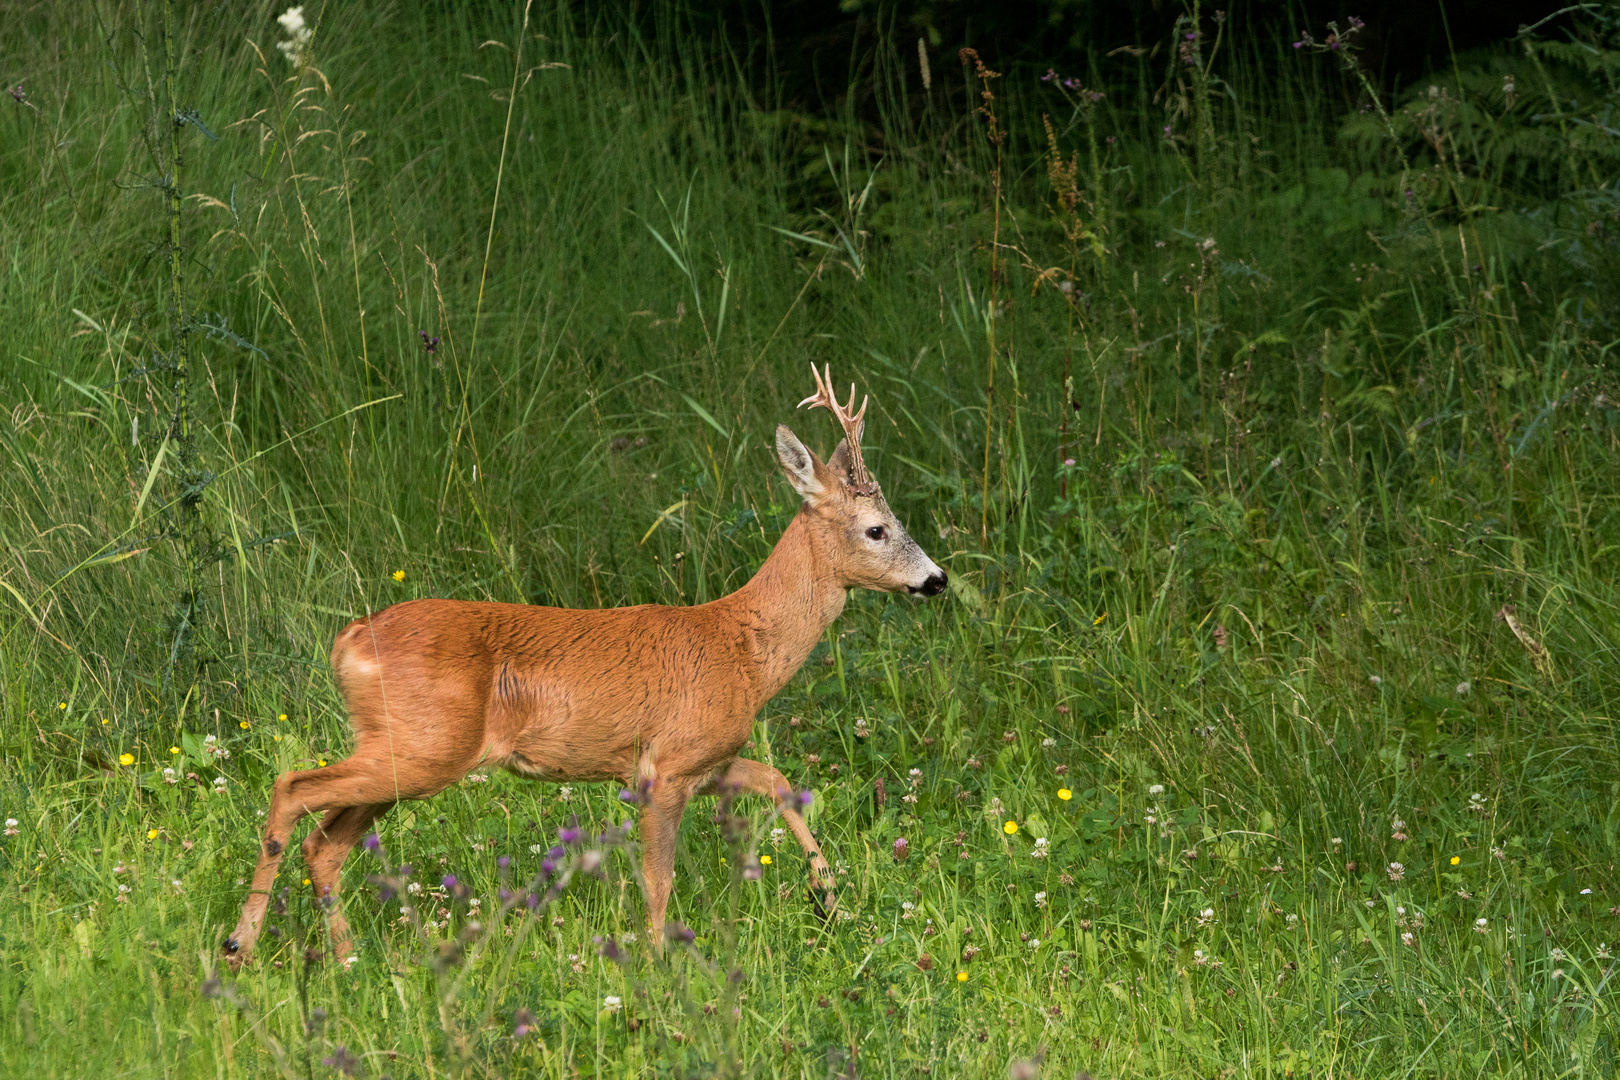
(1065, 794)
(1010, 828)
(126, 759)
(106, 721)
(321, 763)
(174, 749)
(151, 834)
(399, 575)
(1098, 621)
(764, 860)
(283, 716)
(306, 881)
(244, 725)
(278, 738)
(61, 704)
(961, 976)
(1455, 859)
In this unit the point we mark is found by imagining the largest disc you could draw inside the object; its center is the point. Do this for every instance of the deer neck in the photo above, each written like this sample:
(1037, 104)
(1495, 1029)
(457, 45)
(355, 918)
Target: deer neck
(787, 606)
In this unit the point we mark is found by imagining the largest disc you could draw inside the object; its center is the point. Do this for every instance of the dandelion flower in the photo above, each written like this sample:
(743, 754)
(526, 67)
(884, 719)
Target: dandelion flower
(126, 759)
(151, 834)
(399, 575)
(1010, 828)
(1065, 794)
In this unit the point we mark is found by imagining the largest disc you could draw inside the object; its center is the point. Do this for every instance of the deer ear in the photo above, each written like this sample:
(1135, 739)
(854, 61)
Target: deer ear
(842, 462)
(803, 470)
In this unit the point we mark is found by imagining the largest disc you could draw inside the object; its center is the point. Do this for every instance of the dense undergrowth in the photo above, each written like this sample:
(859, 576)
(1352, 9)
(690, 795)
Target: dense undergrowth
(1267, 428)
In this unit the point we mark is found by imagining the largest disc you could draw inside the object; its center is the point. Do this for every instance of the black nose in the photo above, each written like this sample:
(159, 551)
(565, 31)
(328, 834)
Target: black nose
(933, 586)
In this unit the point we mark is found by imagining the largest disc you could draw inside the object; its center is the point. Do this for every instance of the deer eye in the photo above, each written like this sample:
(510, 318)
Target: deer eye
(876, 532)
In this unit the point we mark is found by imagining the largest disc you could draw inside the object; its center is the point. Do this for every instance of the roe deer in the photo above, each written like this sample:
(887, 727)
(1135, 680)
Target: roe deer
(661, 698)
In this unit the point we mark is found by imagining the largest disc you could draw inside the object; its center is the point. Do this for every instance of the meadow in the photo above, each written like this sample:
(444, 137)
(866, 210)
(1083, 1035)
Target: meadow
(1265, 418)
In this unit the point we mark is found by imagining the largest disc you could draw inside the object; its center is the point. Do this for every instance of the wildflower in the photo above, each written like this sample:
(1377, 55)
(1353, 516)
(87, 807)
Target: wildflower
(1409, 939)
(1010, 828)
(537, 849)
(282, 717)
(123, 894)
(522, 1023)
(174, 749)
(1476, 803)
(1558, 973)
(612, 1003)
(62, 705)
(1375, 680)
(565, 793)
(151, 834)
(1464, 687)
(1455, 859)
(1098, 621)
(1481, 926)
(1498, 853)
(343, 1061)
(1065, 794)
(1151, 817)
(1396, 871)
(430, 345)
(961, 976)
(1048, 743)
(1040, 848)
(902, 849)
(296, 47)
(399, 575)
(925, 962)
(906, 909)
(1040, 899)
(1156, 789)
(1206, 916)
(1009, 736)
(1336, 841)
(126, 759)
(219, 784)
(765, 860)
(11, 826)
(170, 776)
(1034, 943)
(478, 778)
(996, 809)
(244, 725)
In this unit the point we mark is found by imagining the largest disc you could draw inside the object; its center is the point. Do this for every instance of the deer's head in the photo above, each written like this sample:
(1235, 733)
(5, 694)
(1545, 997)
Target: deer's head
(852, 523)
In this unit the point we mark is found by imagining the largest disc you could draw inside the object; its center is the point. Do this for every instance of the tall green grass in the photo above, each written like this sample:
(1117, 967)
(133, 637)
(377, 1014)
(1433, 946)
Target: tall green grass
(1264, 474)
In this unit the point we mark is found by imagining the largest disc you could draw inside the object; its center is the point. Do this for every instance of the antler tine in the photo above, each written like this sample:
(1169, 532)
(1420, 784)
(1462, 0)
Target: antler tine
(852, 424)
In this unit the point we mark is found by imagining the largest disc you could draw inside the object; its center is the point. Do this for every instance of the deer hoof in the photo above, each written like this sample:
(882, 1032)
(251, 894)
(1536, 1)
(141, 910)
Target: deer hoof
(824, 903)
(232, 946)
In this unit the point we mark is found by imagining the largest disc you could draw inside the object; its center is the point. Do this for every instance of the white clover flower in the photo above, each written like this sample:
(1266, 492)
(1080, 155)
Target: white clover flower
(612, 1003)
(170, 776)
(1156, 789)
(1375, 680)
(414, 887)
(1048, 743)
(565, 793)
(1409, 939)
(1558, 973)
(1396, 871)
(1034, 942)
(1559, 955)
(1481, 926)
(219, 783)
(776, 836)
(1337, 841)
(628, 939)
(1040, 848)
(915, 772)
(537, 849)
(11, 826)
(209, 740)
(1040, 899)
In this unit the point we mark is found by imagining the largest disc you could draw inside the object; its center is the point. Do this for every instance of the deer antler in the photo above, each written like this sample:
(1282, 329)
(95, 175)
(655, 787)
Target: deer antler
(860, 482)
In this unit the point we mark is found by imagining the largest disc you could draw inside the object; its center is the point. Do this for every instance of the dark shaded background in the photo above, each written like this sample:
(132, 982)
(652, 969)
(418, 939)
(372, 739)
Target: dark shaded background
(810, 49)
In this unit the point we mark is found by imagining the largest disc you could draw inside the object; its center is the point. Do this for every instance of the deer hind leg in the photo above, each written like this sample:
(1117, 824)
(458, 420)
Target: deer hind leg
(325, 850)
(757, 778)
(361, 780)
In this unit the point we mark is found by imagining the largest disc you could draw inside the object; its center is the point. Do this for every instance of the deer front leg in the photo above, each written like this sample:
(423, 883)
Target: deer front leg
(660, 826)
(757, 778)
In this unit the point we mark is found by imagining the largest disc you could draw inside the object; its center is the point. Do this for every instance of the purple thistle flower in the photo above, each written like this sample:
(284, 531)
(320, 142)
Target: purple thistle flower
(429, 344)
(503, 862)
(343, 1061)
(806, 797)
(679, 931)
(448, 881)
(608, 949)
(556, 852)
(532, 900)
(372, 843)
(547, 867)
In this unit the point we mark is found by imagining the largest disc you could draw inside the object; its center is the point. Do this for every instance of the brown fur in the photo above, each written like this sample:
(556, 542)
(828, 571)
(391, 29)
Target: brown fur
(436, 688)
